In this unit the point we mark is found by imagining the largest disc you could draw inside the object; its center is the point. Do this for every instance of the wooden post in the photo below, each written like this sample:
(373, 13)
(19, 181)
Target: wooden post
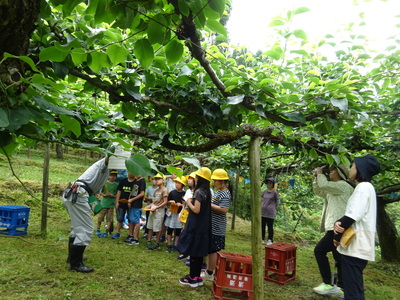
(255, 197)
(45, 188)
(235, 197)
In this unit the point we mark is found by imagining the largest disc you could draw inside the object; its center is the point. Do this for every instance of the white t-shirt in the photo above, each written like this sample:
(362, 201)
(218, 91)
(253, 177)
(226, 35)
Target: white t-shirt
(361, 207)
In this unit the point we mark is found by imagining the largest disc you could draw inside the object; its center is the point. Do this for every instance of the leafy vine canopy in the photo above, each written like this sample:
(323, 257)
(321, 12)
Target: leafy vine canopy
(103, 71)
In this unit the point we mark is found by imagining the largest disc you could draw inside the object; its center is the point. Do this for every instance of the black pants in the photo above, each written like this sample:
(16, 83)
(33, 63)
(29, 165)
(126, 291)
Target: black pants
(353, 285)
(270, 223)
(324, 246)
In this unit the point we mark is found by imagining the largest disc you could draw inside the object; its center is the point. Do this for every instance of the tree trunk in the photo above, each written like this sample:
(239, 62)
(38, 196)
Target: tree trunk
(59, 152)
(45, 187)
(17, 23)
(255, 196)
(389, 239)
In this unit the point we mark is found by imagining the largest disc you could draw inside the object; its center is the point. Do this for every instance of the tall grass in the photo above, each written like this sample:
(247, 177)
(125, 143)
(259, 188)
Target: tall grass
(34, 267)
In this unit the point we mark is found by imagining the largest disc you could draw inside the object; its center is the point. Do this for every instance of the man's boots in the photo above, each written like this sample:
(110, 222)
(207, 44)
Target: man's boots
(70, 243)
(75, 260)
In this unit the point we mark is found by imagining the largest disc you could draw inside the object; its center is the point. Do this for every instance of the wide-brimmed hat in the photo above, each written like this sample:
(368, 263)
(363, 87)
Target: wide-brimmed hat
(343, 171)
(368, 166)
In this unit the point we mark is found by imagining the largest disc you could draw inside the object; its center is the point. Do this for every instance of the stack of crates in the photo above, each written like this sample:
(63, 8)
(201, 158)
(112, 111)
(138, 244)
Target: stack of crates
(280, 263)
(233, 276)
(14, 219)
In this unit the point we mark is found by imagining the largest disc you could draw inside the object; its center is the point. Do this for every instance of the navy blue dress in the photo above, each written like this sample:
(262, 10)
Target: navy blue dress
(195, 237)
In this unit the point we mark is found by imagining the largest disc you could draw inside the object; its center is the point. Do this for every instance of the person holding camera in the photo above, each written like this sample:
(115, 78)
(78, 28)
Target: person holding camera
(336, 193)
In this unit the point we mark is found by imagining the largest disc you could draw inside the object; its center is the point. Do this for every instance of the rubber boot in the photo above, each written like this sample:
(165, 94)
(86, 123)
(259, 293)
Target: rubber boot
(70, 243)
(76, 257)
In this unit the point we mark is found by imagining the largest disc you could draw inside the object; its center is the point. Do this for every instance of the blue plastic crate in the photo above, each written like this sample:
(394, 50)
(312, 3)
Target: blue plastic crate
(14, 219)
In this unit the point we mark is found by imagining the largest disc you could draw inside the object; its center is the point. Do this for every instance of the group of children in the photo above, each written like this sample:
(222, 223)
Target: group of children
(185, 208)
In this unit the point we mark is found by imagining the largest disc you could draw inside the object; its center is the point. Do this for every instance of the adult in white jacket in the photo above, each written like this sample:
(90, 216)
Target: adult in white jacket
(336, 192)
(360, 215)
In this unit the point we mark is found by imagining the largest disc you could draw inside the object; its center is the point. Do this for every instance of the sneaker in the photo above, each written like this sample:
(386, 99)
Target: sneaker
(205, 276)
(170, 248)
(270, 242)
(98, 232)
(132, 241)
(105, 234)
(192, 282)
(145, 236)
(116, 235)
(125, 226)
(128, 238)
(325, 289)
(149, 245)
(156, 246)
(162, 239)
(338, 292)
(181, 257)
(199, 281)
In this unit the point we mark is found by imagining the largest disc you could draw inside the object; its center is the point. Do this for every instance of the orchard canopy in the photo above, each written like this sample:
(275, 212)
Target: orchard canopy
(161, 74)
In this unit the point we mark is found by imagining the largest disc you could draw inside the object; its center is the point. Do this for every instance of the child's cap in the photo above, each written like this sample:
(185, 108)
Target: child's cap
(159, 175)
(205, 173)
(181, 180)
(114, 173)
(368, 166)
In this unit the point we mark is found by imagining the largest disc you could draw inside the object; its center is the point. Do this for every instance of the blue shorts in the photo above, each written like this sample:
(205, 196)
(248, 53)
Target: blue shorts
(121, 211)
(134, 215)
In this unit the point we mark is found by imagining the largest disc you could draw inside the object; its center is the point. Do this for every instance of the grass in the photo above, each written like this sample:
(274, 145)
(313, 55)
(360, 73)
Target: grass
(34, 267)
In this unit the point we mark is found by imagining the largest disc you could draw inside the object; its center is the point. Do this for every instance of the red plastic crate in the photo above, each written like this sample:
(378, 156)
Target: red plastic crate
(14, 219)
(234, 271)
(221, 293)
(280, 263)
(233, 277)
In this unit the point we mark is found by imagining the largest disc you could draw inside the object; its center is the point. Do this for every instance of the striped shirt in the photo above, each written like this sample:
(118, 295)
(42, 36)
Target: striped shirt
(218, 221)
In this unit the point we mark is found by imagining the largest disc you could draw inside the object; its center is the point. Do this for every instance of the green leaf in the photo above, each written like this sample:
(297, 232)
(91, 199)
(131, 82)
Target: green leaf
(183, 8)
(173, 51)
(78, 56)
(98, 60)
(300, 34)
(117, 54)
(175, 170)
(191, 160)
(156, 29)
(329, 159)
(276, 23)
(26, 59)
(54, 54)
(4, 121)
(295, 116)
(69, 6)
(138, 165)
(217, 5)
(128, 110)
(313, 153)
(342, 104)
(5, 143)
(217, 27)
(235, 99)
(43, 104)
(71, 124)
(144, 52)
(274, 54)
(301, 10)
